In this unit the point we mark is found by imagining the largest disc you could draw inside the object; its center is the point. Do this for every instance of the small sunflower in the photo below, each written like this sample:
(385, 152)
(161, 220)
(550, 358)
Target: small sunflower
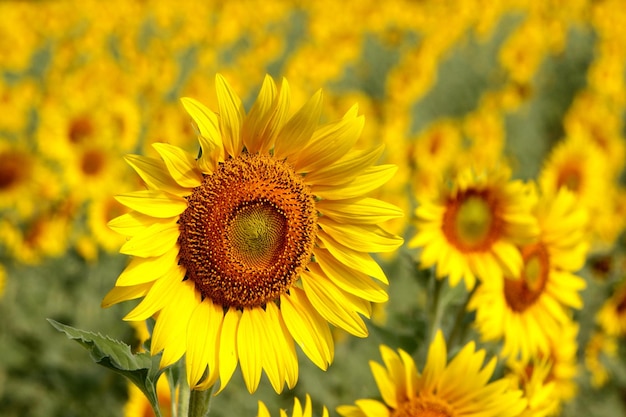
(298, 411)
(539, 390)
(458, 389)
(599, 347)
(472, 228)
(527, 308)
(262, 240)
(612, 315)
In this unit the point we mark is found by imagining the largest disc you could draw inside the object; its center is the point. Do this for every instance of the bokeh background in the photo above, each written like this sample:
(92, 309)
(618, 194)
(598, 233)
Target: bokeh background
(440, 82)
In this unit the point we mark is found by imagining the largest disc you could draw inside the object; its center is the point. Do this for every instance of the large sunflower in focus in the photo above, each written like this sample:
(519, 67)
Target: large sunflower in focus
(472, 227)
(261, 241)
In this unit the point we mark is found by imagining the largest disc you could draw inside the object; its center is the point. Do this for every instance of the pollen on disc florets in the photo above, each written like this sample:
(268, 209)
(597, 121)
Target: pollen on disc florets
(248, 231)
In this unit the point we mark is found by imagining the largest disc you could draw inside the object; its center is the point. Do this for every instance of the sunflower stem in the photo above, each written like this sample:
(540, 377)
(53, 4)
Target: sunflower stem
(435, 308)
(460, 326)
(200, 402)
(183, 398)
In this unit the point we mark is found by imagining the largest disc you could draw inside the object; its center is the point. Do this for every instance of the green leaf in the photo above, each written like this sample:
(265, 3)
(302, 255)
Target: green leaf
(141, 368)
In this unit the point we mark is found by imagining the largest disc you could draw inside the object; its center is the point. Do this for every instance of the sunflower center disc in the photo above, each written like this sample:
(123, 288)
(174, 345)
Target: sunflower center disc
(248, 231)
(471, 222)
(424, 407)
(523, 292)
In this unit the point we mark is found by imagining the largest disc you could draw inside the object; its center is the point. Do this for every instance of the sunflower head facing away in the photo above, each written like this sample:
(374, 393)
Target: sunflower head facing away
(262, 240)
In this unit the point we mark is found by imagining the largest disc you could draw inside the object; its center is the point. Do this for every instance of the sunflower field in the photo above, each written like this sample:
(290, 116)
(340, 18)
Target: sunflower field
(313, 208)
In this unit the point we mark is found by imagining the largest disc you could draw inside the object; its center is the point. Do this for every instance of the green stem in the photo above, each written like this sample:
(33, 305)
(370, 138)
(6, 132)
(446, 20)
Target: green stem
(459, 328)
(200, 402)
(183, 398)
(435, 307)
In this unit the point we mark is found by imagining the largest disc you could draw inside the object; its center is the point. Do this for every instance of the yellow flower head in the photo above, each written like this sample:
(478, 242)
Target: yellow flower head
(262, 240)
(527, 308)
(472, 228)
(459, 388)
(298, 411)
(612, 314)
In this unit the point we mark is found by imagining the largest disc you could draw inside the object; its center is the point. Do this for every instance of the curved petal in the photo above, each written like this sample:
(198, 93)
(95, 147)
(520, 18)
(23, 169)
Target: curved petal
(363, 238)
(330, 143)
(307, 327)
(285, 349)
(203, 331)
(297, 132)
(153, 241)
(227, 360)
(354, 259)
(370, 179)
(144, 270)
(250, 356)
(180, 164)
(159, 296)
(359, 210)
(232, 114)
(134, 223)
(345, 169)
(153, 203)
(256, 121)
(210, 137)
(338, 308)
(170, 330)
(349, 280)
(155, 174)
(119, 294)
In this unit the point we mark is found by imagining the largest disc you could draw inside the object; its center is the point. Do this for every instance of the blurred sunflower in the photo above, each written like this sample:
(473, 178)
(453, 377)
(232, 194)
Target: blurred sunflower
(599, 347)
(262, 240)
(612, 315)
(472, 228)
(527, 308)
(534, 379)
(458, 389)
(298, 411)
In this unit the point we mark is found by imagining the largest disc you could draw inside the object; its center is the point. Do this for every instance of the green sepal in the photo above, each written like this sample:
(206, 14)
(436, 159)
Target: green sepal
(141, 369)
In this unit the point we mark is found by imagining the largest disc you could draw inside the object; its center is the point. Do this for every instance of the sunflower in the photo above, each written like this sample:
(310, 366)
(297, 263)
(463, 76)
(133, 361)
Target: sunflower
(539, 390)
(600, 347)
(458, 389)
(261, 241)
(612, 314)
(472, 228)
(298, 411)
(527, 308)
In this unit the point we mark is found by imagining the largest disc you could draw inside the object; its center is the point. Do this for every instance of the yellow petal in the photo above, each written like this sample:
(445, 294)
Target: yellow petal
(155, 174)
(307, 327)
(285, 348)
(210, 137)
(395, 370)
(358, 210)
(203, 332)
(332, 304)
(372, 178)
(363, 238)
(277, 118)
(385, 384)
(373, 408)
(257, 119)
(133, 223)
(180, 164)
(119, 294)
(298, 131)
(153, 241)
(153, 203)
(144, 270)
(360, 261)
(345, 169)
(159, 295)
(248, 349)
(232, 114)
(349, 280)
(228, 347)
(263, 411)
(330, 143)
(170, 329)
